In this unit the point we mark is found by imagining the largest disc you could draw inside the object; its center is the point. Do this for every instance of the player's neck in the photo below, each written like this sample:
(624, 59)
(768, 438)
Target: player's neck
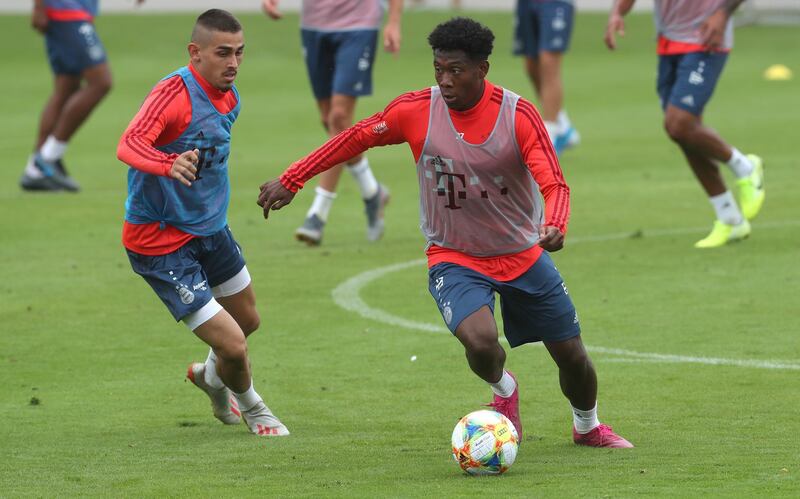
(212, 91)
(479, 106)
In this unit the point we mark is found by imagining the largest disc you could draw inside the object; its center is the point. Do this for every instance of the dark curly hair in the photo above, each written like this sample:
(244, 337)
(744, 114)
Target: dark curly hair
(463, 33)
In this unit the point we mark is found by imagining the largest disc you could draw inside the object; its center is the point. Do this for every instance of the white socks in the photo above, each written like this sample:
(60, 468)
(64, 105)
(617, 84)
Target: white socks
(563, 121)
(211, 377)
(505, 387)
(52, 149)
(248, 399)
(726, 208)
(366, 180)
(740, 165)
(585, 421)
(322, 204)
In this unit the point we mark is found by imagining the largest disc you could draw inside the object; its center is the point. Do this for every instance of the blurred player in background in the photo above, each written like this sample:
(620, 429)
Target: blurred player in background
(694, 39)
(542, 31)
(339, 42)
(176, 231)
(81, 79)
(493, 203)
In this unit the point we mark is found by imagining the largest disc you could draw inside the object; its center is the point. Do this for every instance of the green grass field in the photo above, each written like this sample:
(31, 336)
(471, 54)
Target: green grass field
(697, 352)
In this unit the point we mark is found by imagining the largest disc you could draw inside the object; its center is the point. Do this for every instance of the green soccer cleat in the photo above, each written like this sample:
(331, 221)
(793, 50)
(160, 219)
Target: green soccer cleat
(723, 234)
(751, 189)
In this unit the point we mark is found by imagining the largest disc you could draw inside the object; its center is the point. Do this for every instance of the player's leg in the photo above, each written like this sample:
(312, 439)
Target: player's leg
(536, 307)
(696, 75)
(355, 59)
(319, 50)
(81, 103)
(231, 286)
(37, 178)
(87, 58)
(466, 301)
(555, 21)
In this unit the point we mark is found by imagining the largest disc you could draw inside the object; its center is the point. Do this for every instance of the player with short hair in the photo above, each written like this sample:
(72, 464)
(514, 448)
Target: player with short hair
(493, 203)
(176, 232)
(82, 78)
(542, 31)
(339, 42)
(694, 40)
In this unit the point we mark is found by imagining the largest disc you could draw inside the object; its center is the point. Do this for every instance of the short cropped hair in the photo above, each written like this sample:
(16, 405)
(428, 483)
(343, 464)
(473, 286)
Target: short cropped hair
(218, 20)
(462, 33)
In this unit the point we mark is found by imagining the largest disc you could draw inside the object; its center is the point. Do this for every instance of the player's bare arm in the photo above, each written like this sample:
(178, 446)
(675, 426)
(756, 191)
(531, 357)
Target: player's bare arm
(616, 22)
(551, 238)
(713, 29)
(274, 196)
(270, 8)
(184, 167)
(391, 32)
(39, 16)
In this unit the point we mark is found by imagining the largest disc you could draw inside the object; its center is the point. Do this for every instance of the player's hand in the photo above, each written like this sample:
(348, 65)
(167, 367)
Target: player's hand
(274, 196)
(615, 26)
(184, 167)
(551, 238)
(270, 8)
(391, 38)
(39, 19)
(712, 31)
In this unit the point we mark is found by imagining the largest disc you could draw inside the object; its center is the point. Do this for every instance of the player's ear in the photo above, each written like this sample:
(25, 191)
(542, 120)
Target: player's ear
(194, 50)
(483, 67)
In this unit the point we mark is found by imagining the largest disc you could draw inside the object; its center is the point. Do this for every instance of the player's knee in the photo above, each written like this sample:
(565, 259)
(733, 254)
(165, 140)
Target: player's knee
(250, 323)
(338, 120)
(101, 84)
(233, 349)
(480, 345)
(677, 129)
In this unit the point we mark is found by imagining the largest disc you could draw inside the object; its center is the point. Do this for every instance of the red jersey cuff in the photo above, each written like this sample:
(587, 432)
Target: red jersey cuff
(290, 184)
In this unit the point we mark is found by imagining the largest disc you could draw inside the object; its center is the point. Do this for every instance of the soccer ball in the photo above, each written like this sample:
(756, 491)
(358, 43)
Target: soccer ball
(485, 443)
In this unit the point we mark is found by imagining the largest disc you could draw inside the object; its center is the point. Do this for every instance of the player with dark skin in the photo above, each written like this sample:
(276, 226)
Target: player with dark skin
(74, 96)
(461, 81)
(703, 148)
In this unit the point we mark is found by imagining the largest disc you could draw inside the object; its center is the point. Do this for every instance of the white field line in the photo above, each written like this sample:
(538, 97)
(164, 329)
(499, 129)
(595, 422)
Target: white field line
(347, 295)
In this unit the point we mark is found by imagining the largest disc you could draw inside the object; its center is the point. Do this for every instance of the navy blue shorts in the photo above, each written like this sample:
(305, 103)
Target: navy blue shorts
(183, 279)
(688, 80)
(339, 62)
(535, 306)
(73, 46)
(542, 26)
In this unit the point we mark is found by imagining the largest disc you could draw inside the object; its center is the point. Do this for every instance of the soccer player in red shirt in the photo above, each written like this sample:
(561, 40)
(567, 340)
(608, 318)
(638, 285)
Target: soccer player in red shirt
(694, 39)
(493, 203)
(176, 232)
(81, 79)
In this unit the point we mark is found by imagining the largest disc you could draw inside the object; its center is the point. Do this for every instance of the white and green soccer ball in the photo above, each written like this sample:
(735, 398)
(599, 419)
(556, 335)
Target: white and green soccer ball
(485, 443)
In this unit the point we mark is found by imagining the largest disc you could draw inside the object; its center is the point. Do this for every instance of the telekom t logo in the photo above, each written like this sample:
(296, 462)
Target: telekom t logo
(454, 185)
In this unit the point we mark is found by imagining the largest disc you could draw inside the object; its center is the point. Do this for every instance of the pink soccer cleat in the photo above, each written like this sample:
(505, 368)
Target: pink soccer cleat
(602, 436)
(509, 407)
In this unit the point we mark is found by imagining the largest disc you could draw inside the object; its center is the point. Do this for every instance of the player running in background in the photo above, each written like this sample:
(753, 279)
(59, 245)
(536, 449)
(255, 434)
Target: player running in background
(542, 30)
(81, 79)
(339, 42)
(493, 203)
(176, 231)
(694, 39)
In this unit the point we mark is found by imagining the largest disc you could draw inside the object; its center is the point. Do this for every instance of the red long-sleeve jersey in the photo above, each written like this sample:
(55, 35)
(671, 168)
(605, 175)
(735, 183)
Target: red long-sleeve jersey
(164, 116)
(405, 119)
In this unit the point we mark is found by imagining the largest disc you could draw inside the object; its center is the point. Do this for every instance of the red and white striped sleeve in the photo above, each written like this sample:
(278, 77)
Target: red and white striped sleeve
(160, 120)
(540, 157)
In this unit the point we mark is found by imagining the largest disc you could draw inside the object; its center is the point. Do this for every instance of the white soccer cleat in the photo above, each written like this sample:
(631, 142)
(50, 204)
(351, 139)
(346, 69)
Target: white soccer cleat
(224, 404)
(263, 423)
